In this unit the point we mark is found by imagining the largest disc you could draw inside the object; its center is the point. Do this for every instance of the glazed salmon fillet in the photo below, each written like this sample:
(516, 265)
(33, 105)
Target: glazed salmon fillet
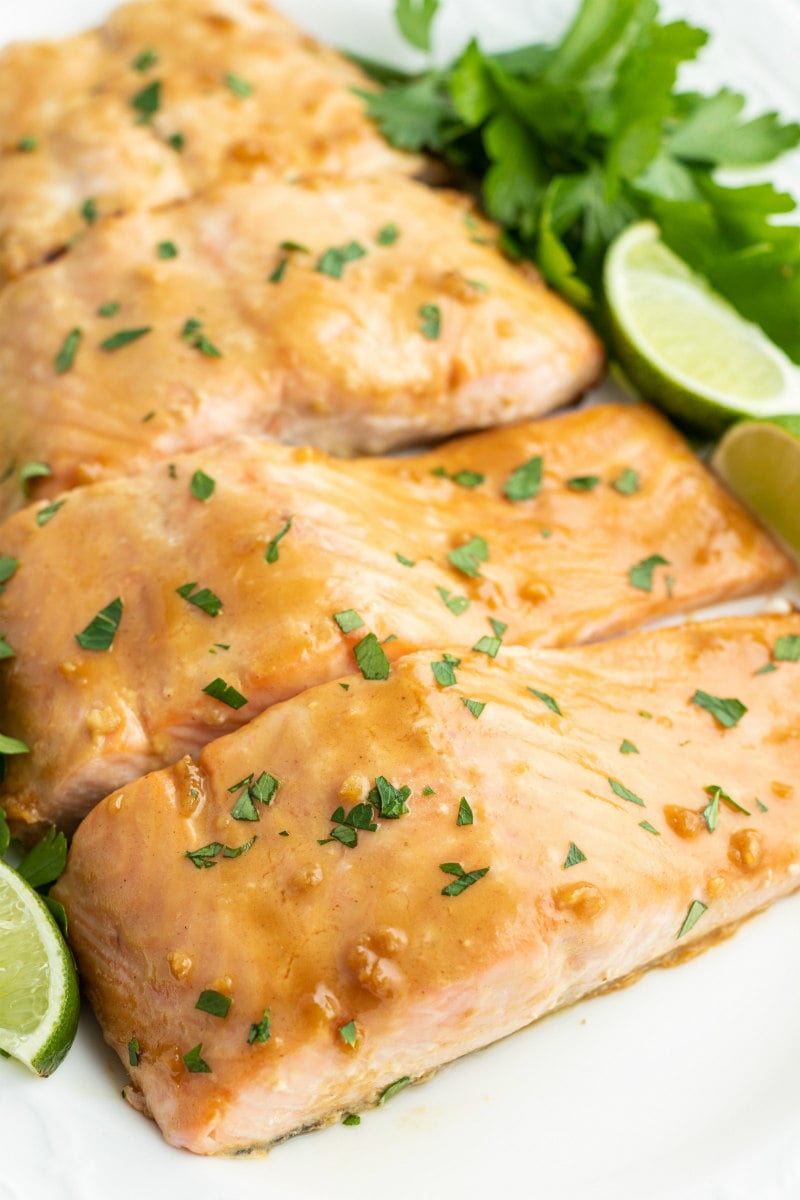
(364, 884)
(165, 99)
(390, 325)
(299, 568)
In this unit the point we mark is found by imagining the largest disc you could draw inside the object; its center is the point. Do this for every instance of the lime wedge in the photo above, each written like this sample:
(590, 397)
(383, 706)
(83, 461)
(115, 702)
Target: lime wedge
(760, 462)
(39, 1000)
(686, 348)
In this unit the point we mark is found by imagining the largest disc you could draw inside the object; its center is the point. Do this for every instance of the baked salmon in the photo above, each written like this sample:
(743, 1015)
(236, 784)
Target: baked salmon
(364, 884)
(240, 576)
(354, 316)
(165, 99)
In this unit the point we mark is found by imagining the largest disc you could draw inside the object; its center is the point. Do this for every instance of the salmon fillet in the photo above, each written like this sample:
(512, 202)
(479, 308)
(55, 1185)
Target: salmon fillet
(433, 333)
(507, 860)
(165, 99)
(245, 586)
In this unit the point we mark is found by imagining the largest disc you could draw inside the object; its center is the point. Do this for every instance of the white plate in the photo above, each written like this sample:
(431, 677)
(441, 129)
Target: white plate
(682, 1086)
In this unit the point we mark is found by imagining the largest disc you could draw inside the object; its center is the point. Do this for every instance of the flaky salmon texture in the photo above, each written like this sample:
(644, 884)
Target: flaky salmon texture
(240, 576)
(165, 99)
(372, 879)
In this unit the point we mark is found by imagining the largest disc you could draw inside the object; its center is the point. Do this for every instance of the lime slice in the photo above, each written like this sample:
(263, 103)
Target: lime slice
(39, 1000)
(686, 348)
(760, 462)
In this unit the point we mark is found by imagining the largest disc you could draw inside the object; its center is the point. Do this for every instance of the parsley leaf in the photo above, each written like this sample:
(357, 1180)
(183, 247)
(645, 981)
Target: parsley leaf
(625, 793)
(467, 557)
(45, 861)
(272, 553)
(727, 712)
(696, 910)
(415, 19)
(476, 707)
(226, 693)
(787, 648)
(65, 358)
(202, 486)
(627, 483)
(583, 483)
(371, 658)
(548, 700)
(574, 856)
(641, 573)
(194, 1061)
(101, 630)
(10, 745)
(463, 879)
(259, 1030)
(465, 814)
(444, 671)
(240, 87)
(147, 102)
(333, 262)
(456, 604)
(431, 321)
(348, 620)
(525, 481)
(203, 598)
(214, 1003)
(124, 337)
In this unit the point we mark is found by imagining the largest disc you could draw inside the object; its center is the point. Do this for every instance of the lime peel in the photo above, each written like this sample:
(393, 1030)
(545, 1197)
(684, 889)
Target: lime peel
(686, 348)
(39, 997)
(760, 463)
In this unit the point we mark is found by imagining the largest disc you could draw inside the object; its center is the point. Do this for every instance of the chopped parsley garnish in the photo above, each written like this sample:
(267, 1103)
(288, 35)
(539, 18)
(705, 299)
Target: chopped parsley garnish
(279, 272)
(761, 807)
(650, 828)
(202, 486)
(134, 1053)
(8, 566)
(641, 573)
(767, 669)
(144, 61)
(404, 562)
(574, 856)
(298, 246)
(351, 1119)
(627, 747)
(207, 856)
(204, 598)
(787, 648)
(583, 483)
(476, 707)
(214, 1003)
(261, 790)
(10, 745)
(548, 700)
(5, 649)
(444, 671)
(48, 512)
(32, 470)
(525, 481)
(394, 1088)
(28, 144)
(109, 309)
(259, 1031)
(491, 645)
(467, 479)
(348, 620)
(220, 690)
(195, 1063)
(456, 604)
(728, 712)
(69, 348)
(389, 801)
(627, 483)
(177, 141)
(89, 210)
(371, 658)
(696, 910)
(463, 880)
(467, 558)
(272, 553)
(148, 416)
(347, 827)
(348, 1033)
(167, 250)
(430, 321)
(625, 793)
(147, 102)
(99, 633)
(240, 87)
(717, 794)
(333, 262)
(192, 333)
(465, 814)
(124, 337)
(388, 235)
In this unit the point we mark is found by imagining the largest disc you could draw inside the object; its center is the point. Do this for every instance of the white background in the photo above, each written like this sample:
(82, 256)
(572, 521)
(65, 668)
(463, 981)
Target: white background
(684, 1086)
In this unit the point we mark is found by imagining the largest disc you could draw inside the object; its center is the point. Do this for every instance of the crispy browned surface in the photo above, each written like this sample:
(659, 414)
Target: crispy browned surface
(338, 363)
(325, 934)
(74, 97)
(95, 719)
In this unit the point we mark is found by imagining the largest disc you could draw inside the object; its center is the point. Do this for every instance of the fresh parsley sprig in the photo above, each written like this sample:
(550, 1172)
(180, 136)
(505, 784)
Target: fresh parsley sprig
(572, 142)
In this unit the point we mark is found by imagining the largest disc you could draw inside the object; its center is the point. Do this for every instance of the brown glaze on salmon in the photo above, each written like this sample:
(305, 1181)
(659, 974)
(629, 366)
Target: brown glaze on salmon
(568, 878)
(426, 551)
(347, 344)
(162, 101)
